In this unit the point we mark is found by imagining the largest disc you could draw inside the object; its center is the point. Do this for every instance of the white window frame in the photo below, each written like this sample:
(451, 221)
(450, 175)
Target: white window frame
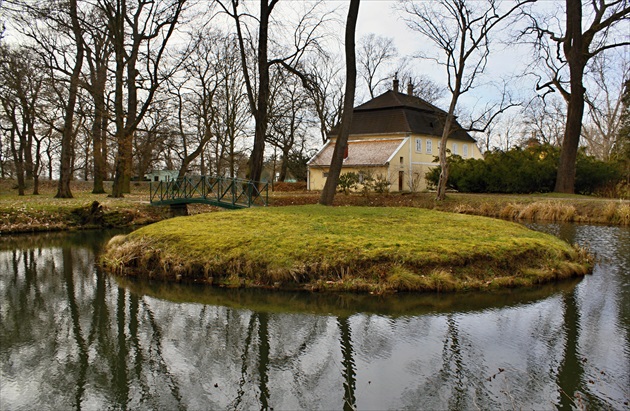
(429, 146)
(454, 148)
(418, 145)
(465, 150)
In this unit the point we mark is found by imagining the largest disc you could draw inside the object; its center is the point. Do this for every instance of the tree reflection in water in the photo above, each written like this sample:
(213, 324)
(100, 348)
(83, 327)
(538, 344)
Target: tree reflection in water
(74, 337)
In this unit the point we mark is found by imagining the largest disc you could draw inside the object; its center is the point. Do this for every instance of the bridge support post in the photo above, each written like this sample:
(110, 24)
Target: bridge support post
(177, 210)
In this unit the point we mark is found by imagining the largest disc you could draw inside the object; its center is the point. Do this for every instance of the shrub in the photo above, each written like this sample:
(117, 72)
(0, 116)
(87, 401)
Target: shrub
(525, 171)
(348, 181)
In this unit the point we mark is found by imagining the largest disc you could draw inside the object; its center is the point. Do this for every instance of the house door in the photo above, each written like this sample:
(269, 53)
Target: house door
(401, 178)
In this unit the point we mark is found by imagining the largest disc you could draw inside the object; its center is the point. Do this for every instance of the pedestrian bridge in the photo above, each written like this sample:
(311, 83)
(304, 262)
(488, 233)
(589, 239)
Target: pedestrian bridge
(231, 193)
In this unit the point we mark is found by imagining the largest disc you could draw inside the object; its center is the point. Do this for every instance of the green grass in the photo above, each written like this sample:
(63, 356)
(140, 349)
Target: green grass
(375, 249)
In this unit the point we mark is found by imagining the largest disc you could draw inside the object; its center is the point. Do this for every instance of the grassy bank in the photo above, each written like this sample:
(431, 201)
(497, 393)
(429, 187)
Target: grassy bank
(372, 249)
(31, 213)
(549, 207)
(34, 213)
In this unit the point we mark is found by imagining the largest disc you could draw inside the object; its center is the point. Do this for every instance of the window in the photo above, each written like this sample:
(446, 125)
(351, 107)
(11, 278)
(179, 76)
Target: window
(419, 145)
(455, 148)
(465, 150)
(429, 144)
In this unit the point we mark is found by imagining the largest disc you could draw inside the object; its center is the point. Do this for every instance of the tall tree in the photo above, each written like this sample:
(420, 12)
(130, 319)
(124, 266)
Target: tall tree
(21, 85)
(258, 91)
(145, 27)
(604, 104)
(375, 53)
(97, 55)
(55, 32)
(288, 119)
(330, 187)
(571, 47)
(67, 136)
(326, 92)
(462, 30)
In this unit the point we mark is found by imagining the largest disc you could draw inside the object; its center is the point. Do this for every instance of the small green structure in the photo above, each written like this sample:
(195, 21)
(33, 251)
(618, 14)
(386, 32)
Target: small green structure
(225, 192)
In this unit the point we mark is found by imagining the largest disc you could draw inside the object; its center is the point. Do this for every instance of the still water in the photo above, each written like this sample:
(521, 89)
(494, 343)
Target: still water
(73, 337)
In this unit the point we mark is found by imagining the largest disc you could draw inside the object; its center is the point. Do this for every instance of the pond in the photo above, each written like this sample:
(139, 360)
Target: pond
(73, 337)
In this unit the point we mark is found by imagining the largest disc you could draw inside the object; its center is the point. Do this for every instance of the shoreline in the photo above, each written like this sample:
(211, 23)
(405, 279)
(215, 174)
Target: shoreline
(376, 250)
(43, 213)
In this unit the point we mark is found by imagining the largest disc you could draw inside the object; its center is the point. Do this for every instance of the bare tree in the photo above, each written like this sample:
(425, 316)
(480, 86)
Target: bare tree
(570, 47)
(98, 53)
(462, 31)
(56, 35)
(21, 85)
(305, 37)
(326, 92)
(604, 104)
(374, 55)
(421, 85)
(544, 120)
(140, 36)
(330, 187)
(288, 119)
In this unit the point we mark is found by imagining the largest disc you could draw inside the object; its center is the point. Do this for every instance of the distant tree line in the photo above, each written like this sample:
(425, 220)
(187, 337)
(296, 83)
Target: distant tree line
(110, 89)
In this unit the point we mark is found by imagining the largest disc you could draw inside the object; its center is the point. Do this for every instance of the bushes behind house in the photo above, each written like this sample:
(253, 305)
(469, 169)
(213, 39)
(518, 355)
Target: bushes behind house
(530, 170)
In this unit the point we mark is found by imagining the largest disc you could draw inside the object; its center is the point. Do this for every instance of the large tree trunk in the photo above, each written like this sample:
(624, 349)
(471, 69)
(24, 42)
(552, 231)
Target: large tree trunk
(575, 53)
(565, 181)
(330, 187)
(255, 164)
(19, 163)
(284, 165)
(67, 138)
(441, 189)
(119, 52)
(99, 131)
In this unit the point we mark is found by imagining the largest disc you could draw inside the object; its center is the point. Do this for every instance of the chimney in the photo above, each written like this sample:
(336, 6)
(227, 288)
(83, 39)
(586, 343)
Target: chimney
(396, 82)
(410, 88)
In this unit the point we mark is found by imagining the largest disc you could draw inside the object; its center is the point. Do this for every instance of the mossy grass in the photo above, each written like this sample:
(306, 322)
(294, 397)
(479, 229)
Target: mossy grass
(372, 249)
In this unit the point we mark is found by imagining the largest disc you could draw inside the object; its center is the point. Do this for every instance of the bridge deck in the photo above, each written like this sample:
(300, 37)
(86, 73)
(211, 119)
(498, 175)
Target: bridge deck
(223, 192)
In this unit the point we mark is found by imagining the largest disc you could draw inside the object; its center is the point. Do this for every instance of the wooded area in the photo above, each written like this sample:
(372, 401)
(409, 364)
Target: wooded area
(113, 89)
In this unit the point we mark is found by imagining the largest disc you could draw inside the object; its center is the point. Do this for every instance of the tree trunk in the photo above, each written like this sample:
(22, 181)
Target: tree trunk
(119, 53)
(441, 188)
(98, 131)
(565, 180)
(330, 187)
(255, 164)
(67, 138)
(575, 53)
(284, 165)
(19, 163)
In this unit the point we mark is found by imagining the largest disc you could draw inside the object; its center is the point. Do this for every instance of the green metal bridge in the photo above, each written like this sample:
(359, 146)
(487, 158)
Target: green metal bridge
(223, 192)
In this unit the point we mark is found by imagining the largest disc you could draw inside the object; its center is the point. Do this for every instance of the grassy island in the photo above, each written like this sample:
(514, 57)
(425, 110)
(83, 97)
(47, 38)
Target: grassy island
(372, 249)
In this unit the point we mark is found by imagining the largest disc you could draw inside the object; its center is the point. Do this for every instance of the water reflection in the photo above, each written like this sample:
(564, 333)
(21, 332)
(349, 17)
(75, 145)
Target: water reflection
(74, 337)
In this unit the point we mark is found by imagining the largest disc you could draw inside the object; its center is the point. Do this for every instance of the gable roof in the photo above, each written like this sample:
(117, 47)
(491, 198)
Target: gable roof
(361, 153)
(397, 113)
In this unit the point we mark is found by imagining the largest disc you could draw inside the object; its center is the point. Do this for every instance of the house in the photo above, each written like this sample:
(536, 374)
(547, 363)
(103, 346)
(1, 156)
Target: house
(394, 136)
(162, 175)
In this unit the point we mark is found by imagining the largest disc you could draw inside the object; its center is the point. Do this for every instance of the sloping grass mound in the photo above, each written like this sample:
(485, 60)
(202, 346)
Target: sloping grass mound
(345, 248)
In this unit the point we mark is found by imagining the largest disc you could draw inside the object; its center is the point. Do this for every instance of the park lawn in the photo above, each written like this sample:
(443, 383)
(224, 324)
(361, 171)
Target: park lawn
(372, 249)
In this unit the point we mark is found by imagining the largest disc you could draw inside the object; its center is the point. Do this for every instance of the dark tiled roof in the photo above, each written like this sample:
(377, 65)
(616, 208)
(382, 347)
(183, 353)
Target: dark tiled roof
(391, 99)
(361, 153)
(393, 112)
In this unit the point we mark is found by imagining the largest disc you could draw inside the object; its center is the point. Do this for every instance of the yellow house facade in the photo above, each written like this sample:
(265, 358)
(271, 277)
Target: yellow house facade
(396, 137)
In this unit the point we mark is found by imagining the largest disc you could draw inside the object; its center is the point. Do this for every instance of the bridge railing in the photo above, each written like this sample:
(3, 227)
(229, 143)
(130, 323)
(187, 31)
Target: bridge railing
(221, 191)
